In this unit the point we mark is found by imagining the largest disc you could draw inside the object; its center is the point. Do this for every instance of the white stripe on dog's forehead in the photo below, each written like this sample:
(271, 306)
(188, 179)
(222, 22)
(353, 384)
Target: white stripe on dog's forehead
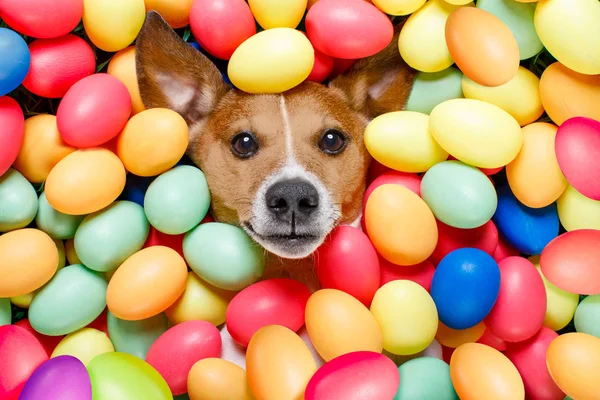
(289, 138)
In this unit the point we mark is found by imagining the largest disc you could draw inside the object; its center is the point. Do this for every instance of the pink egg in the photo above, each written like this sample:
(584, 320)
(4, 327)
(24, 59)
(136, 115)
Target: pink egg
(348, 28)
(484, 238)
(57, 64)
(489, 339)
(42, 18)
(175, 352)
(93, 111)
(520, 308)
(322, 67)
(421, 274)
(347, 261)
(341, 65)
(12, 122)
(361, 375)
(577, 147)
(504, 250)
(278, 301)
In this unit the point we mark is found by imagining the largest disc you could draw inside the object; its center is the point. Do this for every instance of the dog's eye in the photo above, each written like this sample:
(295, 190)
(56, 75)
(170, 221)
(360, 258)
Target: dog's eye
(333, 142)
(244, 145)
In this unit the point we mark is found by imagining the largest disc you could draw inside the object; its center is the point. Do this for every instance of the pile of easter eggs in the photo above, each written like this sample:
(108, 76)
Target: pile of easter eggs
(476, 274)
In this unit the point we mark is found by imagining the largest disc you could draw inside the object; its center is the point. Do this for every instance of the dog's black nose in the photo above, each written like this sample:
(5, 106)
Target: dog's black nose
(292, 197)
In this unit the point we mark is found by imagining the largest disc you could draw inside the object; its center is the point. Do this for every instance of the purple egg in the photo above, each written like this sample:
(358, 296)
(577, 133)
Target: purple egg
(63, 377)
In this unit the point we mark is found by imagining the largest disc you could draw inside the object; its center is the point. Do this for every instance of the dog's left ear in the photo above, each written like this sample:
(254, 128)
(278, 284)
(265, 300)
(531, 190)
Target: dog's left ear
(378, 84)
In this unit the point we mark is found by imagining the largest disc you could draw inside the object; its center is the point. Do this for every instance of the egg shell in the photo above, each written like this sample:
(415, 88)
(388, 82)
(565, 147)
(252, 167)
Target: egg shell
(561, 305)
(112, 24)
(84, 344)
(322, 67)
(453, 338)
(176, 13)
(70, 252)
(63, 377)
(484, 238)
(18, 201)
(587, 316)
(5, 312)
(15, 57)
(576, 211)
(210, 378)
(136, 188)
(122, 67)
(398, 7)
(274, 14)
(431, 89)
(489, 339)
(42, 19)
(421, 274)
(56, 224)
(136, 337)
(12, 132)
(48, 342)
(425, 378)
(157, 238)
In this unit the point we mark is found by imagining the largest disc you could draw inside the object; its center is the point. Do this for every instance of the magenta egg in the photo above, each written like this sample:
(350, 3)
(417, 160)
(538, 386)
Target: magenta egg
(322, 67)
(484, 238)
(62, 377)
(12, 122)
(421, 273)
(42, 18)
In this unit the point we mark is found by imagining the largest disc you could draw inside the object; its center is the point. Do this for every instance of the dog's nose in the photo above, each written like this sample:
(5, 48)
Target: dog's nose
(292, 197)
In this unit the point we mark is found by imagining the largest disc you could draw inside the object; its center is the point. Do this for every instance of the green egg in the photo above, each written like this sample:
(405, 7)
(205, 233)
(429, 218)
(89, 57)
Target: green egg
(73, 298)
(18, 201)
(177, 200)
(62, 258)
(431, 89)
(425, 378)
(587, 316)
(459, 195)
(5, 312)
(108, 237)
(56, 224)
(136, 337)
(224, 255)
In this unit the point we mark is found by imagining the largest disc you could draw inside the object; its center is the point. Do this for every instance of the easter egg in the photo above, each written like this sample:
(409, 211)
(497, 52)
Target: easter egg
(177, 200)
(398, 305)
(561, 305)
(57, 64)
(48, 342)
(224, 255)
(18, 201)
(479, 371)
(122, 67)
(278, 364)
(400, 225)
(118, 375)
(135, 190)
(84, 344)
(56, 224)
(274, 14)
(587, 316)
(5, 312)
(489, 339)
(453, 338)
(398, 7)
(11, 134)
(494, 136)
(431, 89)
(484, 238)
(410, 181)
(93, 111)
(425, 378)
(15, 58)
(459, 195)
(573, 360)
(179, 348)
(503, 250)
(63, 377)
(136, 337)
(534, 175)
(42, 19)
(576, 211)
(176, 13)
(379, 378)
(112, 24)
(70, 252)
(322, 67)
(348, 28)
(421, 274)
(465, 287)
(132, 293)
(211, 378)
(70, 301)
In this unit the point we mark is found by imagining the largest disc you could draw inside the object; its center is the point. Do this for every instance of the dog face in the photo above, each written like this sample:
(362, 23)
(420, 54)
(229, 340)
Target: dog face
(287, 168)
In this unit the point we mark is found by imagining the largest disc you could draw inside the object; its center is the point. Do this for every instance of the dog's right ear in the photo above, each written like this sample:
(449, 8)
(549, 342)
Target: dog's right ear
(172, 74)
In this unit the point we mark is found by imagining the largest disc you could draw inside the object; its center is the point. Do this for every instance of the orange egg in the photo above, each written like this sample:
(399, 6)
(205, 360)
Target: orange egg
(70, 252)
(122, 67)
(453, 338)
(175, 12)
(146, 284)
(215, 378)
(482, 46)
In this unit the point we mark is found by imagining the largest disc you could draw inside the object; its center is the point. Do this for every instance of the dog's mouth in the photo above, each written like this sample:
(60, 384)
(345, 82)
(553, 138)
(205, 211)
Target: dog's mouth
(291, 245)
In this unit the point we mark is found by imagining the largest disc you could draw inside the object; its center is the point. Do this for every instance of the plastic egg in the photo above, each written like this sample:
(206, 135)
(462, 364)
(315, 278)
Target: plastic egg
(5, 312)
(587, 316)
(212, 377)
(484, 238)
(70, 252)
(504, 250)
(425, 378)
(322, 67)
(56, 224)
(489, 339)
(176, 13)
(62, 377)
(576, 211)
(135, 190)
(122, 67)
(15, 57)
(421, 274)
(453, 338)
(431, 89)
(136, 337)
(398, 305)
(70, 301)
(493, 135)
(42, 19)
(18, 201)
(534, 175)
(274, 14)
(112, 24)
(84, 344)
(560, 306)
(410, 181)
(398, 7)
(48, 342)
(11, 134)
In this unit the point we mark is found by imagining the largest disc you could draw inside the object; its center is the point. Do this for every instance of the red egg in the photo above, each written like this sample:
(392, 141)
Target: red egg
(101, 322)
(20, 354)
(520, 308)
(220, 26)
(57, 64)
(341, 65)
(421, 274)
(348, 28)
(504, 250)
(278, 301)
(484, 238)
(361, 375)
(48, 342)
(157, 238)
(208, 218)
(322, 67)
(489, 339)
(572, 261)
(175, 352)
(12, 122)
(577, 146)
(42, 18)
(447, 354)
(93, 111)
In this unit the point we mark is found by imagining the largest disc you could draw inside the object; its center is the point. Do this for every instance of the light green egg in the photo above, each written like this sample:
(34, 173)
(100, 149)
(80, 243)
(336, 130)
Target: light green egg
(587, 316)
(136, 337)
(177, 200)
(73, 298)
(431, 89)
(5, 312)
(459, 195)
(224, 255)
(62, 258)
(18, 201)
(56, 224)
(518, 17)
(425, 378)
(108, 237)
(121, 376)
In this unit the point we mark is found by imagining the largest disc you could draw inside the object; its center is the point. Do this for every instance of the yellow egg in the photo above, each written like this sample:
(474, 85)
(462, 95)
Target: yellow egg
(573, 360)
(216, 379)
(200, 300)
(560, 305)
(70, 252)
(62, 258)
(407, 316)
(425, 29)
(475, 132)
(399, 7)
(113, 25)
(23, 301)
(401, 140)
(577, 211)
(278, 14)
(337, 324)
(520, 97)
(534, 175)
(122, 67)
(278, 364)
(460, 2)
(271, 61)
(175, 12)
(570, 30)
(84, 344)
(453, 338)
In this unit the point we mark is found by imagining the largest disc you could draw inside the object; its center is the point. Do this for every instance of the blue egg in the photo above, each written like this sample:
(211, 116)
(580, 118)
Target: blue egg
(528, 230)
(465, 287)
(14, 60)
(135, 188)
(195, 45)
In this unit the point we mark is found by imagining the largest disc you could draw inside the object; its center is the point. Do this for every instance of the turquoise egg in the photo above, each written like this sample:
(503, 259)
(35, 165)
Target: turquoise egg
(56, 224)
(108, 237)
(177, 200)
(224, 255)
(5, 312)
(587, 316)
(431, 89)
(73, 298)
(18, 201)
(459, 195)
(136, 337)
(425, 378)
